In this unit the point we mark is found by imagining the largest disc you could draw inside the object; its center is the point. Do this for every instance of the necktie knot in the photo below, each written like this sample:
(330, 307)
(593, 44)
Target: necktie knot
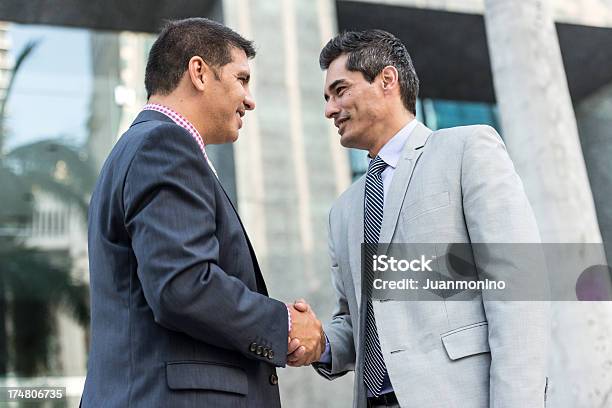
(377, 166)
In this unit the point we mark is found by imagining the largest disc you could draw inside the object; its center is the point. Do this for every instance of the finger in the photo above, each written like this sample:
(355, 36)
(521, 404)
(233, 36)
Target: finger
(306, 360)
(293, 345)
(295, 363)
(298, 354)
(301, 305)
(314, 357)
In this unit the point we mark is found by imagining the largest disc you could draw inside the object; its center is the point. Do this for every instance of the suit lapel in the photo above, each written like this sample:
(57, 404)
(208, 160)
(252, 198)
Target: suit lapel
(355, 234)
(393, 203)
(401, 179)
(261, 284)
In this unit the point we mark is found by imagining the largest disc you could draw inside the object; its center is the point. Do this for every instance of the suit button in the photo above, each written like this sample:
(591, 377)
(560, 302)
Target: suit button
(270, 355)
(253, 347)
(273, 379)
(259, 350)
(265, 352)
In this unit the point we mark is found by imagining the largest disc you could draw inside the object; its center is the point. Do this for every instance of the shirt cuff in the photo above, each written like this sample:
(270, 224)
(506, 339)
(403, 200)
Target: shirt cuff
(326, 356)
(288, 320)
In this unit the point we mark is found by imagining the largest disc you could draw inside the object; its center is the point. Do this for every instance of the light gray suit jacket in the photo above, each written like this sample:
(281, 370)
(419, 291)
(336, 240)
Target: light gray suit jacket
(450, 186)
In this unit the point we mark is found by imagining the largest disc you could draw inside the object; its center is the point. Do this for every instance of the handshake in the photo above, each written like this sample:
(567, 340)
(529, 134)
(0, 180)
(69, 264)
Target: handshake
(306, 341)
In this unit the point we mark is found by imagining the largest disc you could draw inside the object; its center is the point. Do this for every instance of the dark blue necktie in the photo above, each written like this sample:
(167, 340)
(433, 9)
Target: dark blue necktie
(375, 369)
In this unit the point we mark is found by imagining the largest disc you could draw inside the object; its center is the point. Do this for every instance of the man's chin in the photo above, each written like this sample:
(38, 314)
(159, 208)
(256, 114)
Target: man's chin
(347, 141)
(227, 138)
(352, 143)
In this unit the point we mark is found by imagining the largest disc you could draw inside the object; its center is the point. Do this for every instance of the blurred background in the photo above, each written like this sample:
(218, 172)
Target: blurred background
(72, 80)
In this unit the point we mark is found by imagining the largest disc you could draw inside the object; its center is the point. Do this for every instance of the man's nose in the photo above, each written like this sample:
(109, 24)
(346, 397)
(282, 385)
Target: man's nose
(249, 102)
(331, 109)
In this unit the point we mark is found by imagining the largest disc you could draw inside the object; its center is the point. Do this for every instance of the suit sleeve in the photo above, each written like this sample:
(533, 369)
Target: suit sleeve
(497, 211)
(339, 331)
(169, 206)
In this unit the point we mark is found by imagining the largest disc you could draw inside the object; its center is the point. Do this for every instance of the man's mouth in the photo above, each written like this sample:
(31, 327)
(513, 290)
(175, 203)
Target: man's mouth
(240, 115)
(340, 122)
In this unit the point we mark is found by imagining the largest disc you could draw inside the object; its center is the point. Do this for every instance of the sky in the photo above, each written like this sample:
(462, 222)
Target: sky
(52, 90)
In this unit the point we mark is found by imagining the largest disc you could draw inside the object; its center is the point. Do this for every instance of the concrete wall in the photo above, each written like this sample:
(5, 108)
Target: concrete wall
(290, 167)
(586, 12)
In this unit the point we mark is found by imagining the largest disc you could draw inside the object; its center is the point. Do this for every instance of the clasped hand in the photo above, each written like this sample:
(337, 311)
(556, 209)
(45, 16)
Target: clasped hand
(306, 338)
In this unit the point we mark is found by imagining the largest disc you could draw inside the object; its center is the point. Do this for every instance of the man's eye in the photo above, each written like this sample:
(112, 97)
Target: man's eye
(340, 90)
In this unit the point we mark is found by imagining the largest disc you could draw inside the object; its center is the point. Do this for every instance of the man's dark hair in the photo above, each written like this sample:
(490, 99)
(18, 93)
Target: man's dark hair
(180, 40)
(369, 52)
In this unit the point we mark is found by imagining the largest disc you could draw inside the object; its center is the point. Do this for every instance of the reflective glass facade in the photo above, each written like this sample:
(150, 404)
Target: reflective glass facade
(67, 94)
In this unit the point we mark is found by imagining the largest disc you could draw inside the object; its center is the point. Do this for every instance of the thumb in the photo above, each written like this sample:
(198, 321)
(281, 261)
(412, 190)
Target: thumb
(301, 305)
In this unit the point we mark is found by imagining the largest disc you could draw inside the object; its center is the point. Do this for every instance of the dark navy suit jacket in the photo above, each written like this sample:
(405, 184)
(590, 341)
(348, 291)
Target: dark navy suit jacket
(180, 312)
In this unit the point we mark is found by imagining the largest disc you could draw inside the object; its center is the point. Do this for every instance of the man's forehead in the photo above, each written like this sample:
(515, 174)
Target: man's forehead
(336, 70)
(239, 61)
(332, 77)
(243, 67)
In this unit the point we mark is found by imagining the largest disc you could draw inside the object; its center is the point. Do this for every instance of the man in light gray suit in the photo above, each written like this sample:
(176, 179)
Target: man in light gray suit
(449, 186)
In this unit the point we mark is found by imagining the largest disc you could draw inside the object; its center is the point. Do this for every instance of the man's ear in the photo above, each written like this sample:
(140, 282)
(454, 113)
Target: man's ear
(390, 78)
(198, 71)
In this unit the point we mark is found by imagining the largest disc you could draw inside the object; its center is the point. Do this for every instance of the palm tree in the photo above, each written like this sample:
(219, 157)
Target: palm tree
(35, 283)
(17, 208)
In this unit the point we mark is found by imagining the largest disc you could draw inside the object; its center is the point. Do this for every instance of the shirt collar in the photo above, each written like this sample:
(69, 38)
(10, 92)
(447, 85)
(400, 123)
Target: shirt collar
(392, 150)
(185, 124)
(176, 118)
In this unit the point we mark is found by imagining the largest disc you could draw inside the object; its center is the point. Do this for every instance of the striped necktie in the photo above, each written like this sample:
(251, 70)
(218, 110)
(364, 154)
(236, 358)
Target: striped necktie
(375, 369)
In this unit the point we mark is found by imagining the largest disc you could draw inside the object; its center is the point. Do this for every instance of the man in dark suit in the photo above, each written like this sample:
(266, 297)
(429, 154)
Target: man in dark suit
(180, 312)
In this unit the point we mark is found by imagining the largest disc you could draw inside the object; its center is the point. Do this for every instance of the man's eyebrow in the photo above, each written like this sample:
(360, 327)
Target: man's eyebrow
(336, 83)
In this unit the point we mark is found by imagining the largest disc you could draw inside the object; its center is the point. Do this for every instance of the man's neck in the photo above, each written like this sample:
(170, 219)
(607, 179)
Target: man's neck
(398, 122)
(181, 106)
